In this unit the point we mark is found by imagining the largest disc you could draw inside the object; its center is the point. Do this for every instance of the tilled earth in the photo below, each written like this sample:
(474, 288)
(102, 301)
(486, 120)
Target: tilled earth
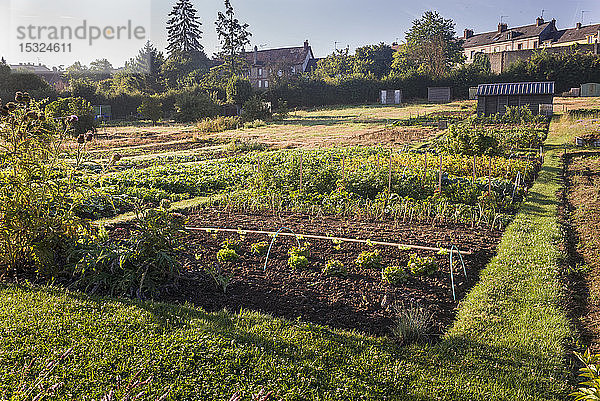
(361, 300)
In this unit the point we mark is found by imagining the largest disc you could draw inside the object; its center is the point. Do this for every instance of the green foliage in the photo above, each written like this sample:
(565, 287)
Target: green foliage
(231, 243)
(337, 65)
(37, 222)
(183, 29)
(300, 251)
(335, 268)
(369, 260)
(260, 248)
(470, 140)
(234, 37)
(77, 106)
(298, 262)
(413, 324)
(218, 124)
(239, 90)
(422, 266)
(195, 105)
(227, 255)
(139, 265)
(590, 377)
(256, 109)
(374, 59)
(151, 109)
(395, 275)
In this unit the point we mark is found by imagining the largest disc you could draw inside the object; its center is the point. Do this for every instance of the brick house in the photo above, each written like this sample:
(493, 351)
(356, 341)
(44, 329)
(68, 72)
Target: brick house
(580, 35)
(264, 65)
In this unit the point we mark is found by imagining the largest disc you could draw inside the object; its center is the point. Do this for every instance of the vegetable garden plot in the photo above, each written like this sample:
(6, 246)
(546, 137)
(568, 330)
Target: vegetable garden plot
(359, 299)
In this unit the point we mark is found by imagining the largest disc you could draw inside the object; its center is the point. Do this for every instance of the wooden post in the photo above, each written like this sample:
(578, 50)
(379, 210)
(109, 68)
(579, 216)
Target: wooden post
(425, 173)
(490, 177)
(301, 170)
(390, 175)
(259, 164)
(343, 167)
(440, 178)
(474, 168)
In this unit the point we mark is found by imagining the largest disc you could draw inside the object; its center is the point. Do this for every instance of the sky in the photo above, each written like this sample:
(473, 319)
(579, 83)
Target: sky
(327, 24)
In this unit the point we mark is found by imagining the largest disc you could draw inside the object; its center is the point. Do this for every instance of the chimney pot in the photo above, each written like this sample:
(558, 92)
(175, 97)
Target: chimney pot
(255, 55)
(306, 45)
(578, 26)
(468, 33)
(539, 21)
(502, 27)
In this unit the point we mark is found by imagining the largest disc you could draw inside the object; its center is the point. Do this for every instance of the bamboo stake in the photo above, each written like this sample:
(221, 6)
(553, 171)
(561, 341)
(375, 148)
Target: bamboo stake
(320, 237)
(301, 170)
(440, 177)
(490, 177)
(390, 175)
(474, 169)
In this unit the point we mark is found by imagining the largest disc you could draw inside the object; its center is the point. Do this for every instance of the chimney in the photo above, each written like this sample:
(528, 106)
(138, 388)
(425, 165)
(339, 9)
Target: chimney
(306, 45)
(502, 27)
(255, 55)
(539, 21)
(468, 33)
(578, 26)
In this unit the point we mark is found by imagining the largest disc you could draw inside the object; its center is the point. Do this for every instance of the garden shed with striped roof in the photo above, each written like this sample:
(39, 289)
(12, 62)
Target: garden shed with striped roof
(494, 98)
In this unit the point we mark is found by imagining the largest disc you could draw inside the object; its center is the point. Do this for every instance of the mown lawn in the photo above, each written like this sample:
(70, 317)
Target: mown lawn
(507, 343)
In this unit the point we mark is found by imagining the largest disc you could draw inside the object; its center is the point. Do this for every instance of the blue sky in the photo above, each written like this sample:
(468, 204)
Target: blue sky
(277, 23)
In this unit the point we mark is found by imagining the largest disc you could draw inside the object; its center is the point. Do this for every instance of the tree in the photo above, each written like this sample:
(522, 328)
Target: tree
(431, 42)
(374, 59)
(178, 67)
(184, 29)
(101, 66)
(233, 37)
(239, 90)
(150, 109)
(146, 66)
(337, 65)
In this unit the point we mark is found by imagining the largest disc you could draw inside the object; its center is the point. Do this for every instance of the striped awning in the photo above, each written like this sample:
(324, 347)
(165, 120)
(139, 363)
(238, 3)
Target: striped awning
(521, 88)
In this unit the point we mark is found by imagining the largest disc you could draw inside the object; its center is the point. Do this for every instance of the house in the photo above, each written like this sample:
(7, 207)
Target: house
(52, 76)
(580, 35)
(494, 98)
(504, 39)
(267, 64)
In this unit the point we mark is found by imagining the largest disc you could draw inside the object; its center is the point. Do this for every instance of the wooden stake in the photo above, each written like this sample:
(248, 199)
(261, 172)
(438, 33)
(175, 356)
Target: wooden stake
(301, 170)
(474, 169)
(440, 178)
(343, 168)
(390, 175)
(490, 177)
(425, 173)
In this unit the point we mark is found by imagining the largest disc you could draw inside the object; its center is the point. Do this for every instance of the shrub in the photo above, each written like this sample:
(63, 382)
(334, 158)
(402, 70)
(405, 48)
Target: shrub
(369, 260)
(218, 124)
(260, 247)
(590, 375)
(193, 106)
(395, 275)
(335, 268)
(139, 265)
(255, 124)
(38, 227)
(227, 255)
(77, 106)
(239, 90)
(413, 324)
(419, 266)
(151, 109)
(297, 262)
(256, 109)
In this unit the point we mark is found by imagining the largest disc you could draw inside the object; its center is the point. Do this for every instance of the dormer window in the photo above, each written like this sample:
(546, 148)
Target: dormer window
(591, 39)
(260, 72)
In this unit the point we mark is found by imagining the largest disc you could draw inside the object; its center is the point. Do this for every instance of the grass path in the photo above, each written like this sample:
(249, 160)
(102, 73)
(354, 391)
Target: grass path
(507, 343)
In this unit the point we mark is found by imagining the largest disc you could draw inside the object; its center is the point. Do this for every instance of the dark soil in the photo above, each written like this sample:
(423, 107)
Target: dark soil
(582, 218)
(360, 300)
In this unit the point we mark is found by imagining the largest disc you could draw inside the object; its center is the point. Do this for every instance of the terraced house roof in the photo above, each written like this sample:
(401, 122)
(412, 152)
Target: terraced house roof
(521, 88)
(577, 34)
(522, 32)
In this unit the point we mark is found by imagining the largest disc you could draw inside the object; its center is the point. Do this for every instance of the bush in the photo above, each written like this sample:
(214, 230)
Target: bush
(151, 109)
(139, 265)
(335, 268)
(413, 324)
(395, 275)
(218, 124)
(77, 106)
(256, 109)
(194, 105)
(227, 255)
(239, 90)
(590, 377)
(259, 248)
(419, 266)
(369, 260)
(38, 227)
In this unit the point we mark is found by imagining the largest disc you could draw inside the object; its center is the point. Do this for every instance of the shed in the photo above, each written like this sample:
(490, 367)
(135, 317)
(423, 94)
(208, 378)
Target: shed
(102, 112)
(391, 96)
(472, 93)
(439, 95)
(494, 98)
(589, 90)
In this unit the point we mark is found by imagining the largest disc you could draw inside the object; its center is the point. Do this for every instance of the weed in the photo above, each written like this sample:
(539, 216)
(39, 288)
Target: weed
(413, 323)
(369, 260)
(335, 268)
(395, 275)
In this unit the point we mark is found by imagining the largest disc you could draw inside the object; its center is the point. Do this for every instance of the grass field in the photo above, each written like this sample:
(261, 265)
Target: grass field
(506, 344)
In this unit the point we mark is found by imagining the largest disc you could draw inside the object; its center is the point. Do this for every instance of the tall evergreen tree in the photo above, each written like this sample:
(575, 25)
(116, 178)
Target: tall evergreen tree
(184, 29)
(233, 36)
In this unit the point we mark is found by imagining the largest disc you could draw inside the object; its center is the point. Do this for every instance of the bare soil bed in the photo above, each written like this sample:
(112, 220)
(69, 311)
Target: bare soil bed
(360, 300)
(583, 201)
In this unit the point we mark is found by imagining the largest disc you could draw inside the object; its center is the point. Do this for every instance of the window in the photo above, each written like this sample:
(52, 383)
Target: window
(520, 46)
(535, 44)
(260, 72)
(591, 39)
(496, 49)
(259, 83)
(266, 84)
(472, 54)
